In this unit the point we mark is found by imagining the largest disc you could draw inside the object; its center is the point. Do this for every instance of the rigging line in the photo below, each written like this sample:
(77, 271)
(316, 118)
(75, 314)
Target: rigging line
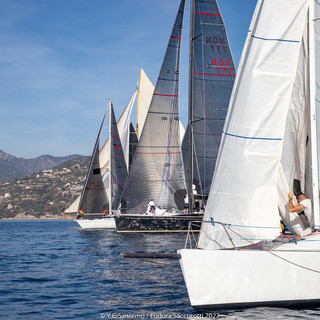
(225, 226)
(211, 239)
(302, 130)
(191, 236)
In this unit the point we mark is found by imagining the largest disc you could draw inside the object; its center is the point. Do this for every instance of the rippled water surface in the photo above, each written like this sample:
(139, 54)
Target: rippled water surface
(55, 270)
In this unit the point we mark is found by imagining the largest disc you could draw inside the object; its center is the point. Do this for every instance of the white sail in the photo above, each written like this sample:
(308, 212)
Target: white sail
(182, 132)
(145, 93)
(73, 208)
(244, 191)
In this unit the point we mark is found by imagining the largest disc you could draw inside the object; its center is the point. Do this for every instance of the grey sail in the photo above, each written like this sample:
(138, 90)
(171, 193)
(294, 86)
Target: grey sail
(133, 141)
(118, 167)
(212, 78)
(157, 169)
(94, 197)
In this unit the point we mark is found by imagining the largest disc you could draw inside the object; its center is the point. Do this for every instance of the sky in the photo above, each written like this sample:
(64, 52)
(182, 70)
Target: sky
(61, 60)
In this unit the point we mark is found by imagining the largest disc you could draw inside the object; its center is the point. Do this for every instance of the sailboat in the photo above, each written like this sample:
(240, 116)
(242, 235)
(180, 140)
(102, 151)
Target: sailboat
(157, 171)
(97, 204)
(270, 145)
(93, 200)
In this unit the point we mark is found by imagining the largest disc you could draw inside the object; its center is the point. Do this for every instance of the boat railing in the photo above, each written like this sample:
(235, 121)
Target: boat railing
(191, 239)
(281, 238)
(192, 234)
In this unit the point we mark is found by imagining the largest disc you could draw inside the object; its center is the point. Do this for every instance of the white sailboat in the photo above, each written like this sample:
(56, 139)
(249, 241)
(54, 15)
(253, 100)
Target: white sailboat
(93, 200)
(271, 139)
(93, 217)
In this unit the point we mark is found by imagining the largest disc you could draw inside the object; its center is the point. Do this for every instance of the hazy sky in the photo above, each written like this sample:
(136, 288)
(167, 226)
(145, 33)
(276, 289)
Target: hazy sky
(61, 59)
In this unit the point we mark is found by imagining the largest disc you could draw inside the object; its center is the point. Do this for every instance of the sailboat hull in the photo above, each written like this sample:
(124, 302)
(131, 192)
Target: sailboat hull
(229, 279)
(145, 223)
(103, 223)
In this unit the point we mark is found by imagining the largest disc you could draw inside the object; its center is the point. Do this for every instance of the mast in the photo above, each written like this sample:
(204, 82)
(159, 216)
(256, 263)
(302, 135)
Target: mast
(313, 124)
(191, 197)
(110, 145)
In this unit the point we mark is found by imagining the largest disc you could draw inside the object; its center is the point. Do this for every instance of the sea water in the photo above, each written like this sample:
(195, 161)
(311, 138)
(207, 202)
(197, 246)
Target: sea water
(55, 270)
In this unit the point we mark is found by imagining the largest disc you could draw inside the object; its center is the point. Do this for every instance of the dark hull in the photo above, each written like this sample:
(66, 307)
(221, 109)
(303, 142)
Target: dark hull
(141, 223)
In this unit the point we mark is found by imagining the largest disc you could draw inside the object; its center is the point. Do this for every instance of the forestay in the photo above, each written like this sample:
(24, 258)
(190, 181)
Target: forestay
(244, 191)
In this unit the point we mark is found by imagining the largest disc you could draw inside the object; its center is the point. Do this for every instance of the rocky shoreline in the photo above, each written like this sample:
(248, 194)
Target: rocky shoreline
(44, 195)
(23, 216)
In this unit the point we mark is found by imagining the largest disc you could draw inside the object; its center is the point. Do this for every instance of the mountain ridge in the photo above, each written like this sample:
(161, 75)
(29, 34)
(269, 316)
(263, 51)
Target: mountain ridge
(46, 193)
(12, 167)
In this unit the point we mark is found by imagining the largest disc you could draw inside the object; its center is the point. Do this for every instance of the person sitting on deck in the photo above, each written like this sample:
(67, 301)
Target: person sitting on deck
(303, 208)
(186, 205)
(151, 207)
(80, 214)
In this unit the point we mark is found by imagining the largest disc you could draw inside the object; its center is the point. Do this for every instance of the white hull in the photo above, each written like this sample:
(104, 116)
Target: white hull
(286, 276)
(104, 223)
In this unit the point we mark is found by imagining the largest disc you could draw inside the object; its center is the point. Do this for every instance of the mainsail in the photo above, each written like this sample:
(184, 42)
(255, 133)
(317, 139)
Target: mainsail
(212, 77)
(157, 170)
(244, 193)
(118, 167)
(94, 198)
